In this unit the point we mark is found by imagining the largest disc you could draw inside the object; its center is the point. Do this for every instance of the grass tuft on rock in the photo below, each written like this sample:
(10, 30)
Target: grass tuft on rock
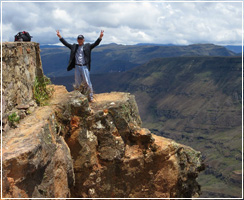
(13, 117)
(41, 92)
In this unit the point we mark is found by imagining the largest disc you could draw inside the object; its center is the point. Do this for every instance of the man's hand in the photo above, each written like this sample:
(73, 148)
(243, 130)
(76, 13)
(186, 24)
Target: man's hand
(58, 34)
(101, 34)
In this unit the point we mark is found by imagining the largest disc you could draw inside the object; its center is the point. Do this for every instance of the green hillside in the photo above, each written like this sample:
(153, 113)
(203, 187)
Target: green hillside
(119, 58)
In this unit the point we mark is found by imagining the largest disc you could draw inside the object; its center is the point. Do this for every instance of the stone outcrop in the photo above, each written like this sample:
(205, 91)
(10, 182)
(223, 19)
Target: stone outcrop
(36, 160)
(73, 149)
(21, 64)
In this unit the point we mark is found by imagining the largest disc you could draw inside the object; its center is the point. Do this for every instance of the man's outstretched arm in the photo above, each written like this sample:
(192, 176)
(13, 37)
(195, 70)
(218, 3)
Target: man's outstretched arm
(98, 40)
(101, 34)
(63, 40)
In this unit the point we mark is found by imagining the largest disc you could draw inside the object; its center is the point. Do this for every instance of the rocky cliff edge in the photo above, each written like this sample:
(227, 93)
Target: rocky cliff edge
(71, 148)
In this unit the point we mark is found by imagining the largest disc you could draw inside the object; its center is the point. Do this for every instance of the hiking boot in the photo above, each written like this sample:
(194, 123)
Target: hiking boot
(91, 99)
(75, 87)
(84, 89)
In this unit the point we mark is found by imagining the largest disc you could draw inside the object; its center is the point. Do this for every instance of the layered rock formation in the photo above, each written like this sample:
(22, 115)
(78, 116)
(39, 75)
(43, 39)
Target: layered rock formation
(71, 148)
(21, 64)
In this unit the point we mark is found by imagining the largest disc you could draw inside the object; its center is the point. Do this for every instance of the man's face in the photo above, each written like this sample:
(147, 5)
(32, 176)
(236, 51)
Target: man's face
(80, 41)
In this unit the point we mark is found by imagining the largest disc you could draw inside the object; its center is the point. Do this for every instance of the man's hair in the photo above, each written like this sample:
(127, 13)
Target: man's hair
(80, 37)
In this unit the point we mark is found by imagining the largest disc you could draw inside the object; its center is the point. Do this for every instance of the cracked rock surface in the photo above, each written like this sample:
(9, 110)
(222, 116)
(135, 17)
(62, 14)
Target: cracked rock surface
(73, 148)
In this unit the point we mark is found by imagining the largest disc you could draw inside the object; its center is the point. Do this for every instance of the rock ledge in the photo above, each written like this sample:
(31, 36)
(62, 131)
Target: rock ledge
(72, 148)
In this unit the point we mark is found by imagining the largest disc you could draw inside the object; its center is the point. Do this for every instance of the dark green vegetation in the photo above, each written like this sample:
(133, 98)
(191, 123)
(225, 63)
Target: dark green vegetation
(41, 92)
(119, 58)
(13, 117)
(195, 101)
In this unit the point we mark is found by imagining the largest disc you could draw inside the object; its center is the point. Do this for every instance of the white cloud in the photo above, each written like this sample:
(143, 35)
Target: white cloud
(126, 23)
(62, 16)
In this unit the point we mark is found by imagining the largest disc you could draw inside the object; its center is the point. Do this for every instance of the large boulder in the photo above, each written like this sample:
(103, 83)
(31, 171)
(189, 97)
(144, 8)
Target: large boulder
(36, 160)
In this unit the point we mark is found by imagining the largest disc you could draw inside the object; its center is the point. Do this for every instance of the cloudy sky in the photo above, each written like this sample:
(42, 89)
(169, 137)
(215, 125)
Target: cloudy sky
(126, 22)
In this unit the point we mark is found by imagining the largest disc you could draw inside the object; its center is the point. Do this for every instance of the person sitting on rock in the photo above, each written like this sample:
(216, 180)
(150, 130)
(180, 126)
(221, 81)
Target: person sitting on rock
(80, 59)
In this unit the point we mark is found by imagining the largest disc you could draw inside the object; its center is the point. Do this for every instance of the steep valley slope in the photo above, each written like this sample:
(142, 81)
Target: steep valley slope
(196, 101)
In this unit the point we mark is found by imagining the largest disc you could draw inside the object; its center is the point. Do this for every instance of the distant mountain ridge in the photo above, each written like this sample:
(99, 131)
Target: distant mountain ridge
(118, 58)
(235, 48)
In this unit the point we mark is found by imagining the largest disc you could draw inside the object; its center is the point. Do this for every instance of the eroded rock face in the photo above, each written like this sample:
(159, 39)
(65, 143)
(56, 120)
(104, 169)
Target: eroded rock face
(75, 149)
(114, 157)
(36, 160)
(21, 64)
(71, 148)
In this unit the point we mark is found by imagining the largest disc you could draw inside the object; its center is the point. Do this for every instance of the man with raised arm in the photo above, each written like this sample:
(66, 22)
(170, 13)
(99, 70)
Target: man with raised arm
(80, 59)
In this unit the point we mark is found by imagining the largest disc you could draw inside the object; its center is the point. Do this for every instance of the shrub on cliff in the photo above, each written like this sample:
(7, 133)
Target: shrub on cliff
(13, 118)
(41, 92)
